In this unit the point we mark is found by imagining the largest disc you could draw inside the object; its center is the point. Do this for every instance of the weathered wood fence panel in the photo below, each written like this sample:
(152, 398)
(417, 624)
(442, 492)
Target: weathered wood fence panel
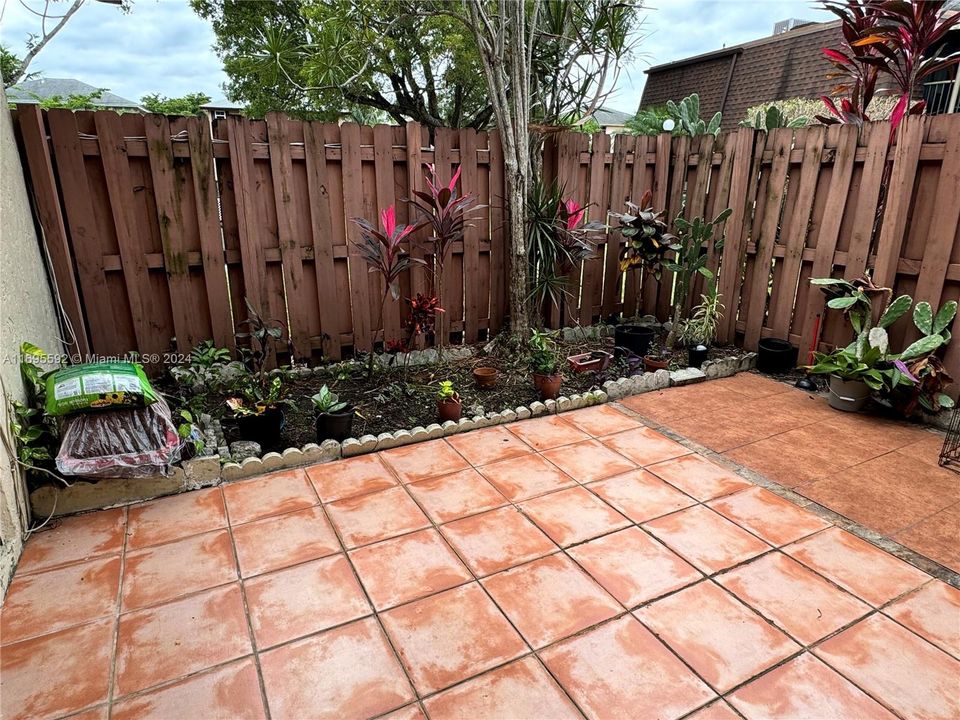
(159, 228)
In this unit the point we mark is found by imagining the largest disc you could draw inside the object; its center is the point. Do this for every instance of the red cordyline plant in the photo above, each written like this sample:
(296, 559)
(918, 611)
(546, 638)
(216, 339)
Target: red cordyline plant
(446, 213)
(385, 255)
(897, 38)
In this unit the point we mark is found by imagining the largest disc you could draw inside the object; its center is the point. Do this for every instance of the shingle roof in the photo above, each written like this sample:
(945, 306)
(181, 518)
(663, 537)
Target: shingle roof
(605, 117)
(26, 93)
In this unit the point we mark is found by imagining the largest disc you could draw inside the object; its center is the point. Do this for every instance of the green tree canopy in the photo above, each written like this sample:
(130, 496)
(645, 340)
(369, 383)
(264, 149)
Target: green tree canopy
(187, 105)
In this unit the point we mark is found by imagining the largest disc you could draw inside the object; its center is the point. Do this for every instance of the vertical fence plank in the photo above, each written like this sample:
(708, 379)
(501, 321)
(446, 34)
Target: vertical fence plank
(758, 290)
(471, 239)
(498, 261)
(846, 151)
(442, 158)
(675, 205)
(113, 154)
(782, 307)
(299, 300)
(638, 184)
(251, 251)
(353, 207)
(943, 226)
(899, 199)
(45, 194)
(661, 189)
(321, 226)
(170, 217)
(208, 223)
(591, 287)
(383, 166)
(624, 145)
(418, 274)
(876, 137)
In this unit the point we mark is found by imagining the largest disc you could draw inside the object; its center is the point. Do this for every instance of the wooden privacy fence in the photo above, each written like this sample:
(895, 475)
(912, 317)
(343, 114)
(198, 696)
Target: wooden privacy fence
(804, 205)
(158, 228)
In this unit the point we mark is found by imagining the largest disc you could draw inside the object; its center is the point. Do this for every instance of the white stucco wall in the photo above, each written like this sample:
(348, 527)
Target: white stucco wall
(26, 314)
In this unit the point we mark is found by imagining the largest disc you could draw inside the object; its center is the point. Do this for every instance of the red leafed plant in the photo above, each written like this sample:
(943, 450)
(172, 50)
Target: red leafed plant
(899, 39)
(423, 314)
(446, 213)
(385, 255)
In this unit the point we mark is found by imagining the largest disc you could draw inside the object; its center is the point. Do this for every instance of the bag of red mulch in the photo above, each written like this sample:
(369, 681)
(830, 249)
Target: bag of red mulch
(129, 443)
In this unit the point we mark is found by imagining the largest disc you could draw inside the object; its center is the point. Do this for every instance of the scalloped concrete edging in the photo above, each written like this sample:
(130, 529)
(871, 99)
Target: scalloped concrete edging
(207, 471)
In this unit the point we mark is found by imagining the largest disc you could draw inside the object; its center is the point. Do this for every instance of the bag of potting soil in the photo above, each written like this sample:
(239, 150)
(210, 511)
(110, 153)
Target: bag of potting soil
(98, 386)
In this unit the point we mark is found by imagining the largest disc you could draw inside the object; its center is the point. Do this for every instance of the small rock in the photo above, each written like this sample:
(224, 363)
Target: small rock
(240, 450)
(686, 376)
(748, 361)
(661, 379)
(612, 389)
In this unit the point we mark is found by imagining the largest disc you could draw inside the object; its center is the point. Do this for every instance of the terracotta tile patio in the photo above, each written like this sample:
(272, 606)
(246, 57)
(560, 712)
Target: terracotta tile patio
(594, 568)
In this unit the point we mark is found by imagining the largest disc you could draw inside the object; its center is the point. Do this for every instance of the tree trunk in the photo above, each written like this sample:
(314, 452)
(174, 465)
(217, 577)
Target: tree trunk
(516, 181)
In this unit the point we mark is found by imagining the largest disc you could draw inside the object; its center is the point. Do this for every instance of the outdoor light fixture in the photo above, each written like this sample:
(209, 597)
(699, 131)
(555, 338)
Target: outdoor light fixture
(669, 125)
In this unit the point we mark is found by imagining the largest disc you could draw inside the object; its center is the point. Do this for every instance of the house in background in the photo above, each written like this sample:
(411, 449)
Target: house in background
(219, 108)
(32, 92)
(788, 64)
(611, 121)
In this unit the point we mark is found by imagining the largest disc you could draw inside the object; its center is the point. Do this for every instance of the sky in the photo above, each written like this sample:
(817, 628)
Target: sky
(162, 46)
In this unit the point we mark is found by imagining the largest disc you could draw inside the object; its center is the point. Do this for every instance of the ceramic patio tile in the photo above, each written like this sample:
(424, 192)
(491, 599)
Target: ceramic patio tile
(698, 477)
(350, 477)
(796, 599)
(348, 672)
(933, 612)
(451, 636)
(546, 433)
(784, 461)
(423, 460)
(588, 460)
(57, 599)
(175, 517)
(267, 495)
(376, 516)
(229, 692)
(550, 598)
(640, 495)
(600, 420)
(751, 385)
(936, 537)
(573, 515)
(522, 689)
(100, 712)
(489, 445)
(721, 430)
(766, 514)
(157, 574)
(81, 537)
(665, 406)
(284, 540)
(645, 446)
(633, 567)
(706, 540)
(526, 477)
(786, 411)
(410, 712)
(179, 638)
(620, 670)
(856, 565)
(303, 599)
(496, 540)
(718, 710)
(805, 688)
(450, 497)
(723, 640)
(57, 674)
(407, 568)
(883, 434)
(897, 668)
(925, 449)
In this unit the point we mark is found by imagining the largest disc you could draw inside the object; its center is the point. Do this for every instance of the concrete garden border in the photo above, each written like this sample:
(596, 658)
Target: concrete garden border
(208, 471)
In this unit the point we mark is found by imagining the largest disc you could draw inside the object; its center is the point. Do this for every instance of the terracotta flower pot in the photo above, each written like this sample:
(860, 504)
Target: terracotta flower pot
(548, 385)
(590, 362)
(652, 364)
(449, 409)
(485, 377)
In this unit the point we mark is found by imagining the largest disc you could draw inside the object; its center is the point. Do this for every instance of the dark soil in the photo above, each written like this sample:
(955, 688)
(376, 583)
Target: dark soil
(395, 398)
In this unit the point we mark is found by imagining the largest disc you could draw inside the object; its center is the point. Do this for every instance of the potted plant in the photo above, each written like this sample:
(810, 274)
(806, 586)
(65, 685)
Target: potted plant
(659, 359)
(485, 377)
(697, 332)
(852, 379)
(259, 409)
(545, 365)
(334, 417)
(595, 361)
(448, 402)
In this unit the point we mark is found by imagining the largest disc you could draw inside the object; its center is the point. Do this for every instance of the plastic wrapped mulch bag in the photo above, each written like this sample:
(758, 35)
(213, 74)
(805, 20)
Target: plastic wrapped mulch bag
(129, 443)
(98, 386)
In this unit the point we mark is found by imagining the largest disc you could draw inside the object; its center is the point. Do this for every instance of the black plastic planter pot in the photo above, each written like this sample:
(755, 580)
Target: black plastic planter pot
(696, 356)
(335, 426)
(263, 429)
(632, 339)
(775, 356)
